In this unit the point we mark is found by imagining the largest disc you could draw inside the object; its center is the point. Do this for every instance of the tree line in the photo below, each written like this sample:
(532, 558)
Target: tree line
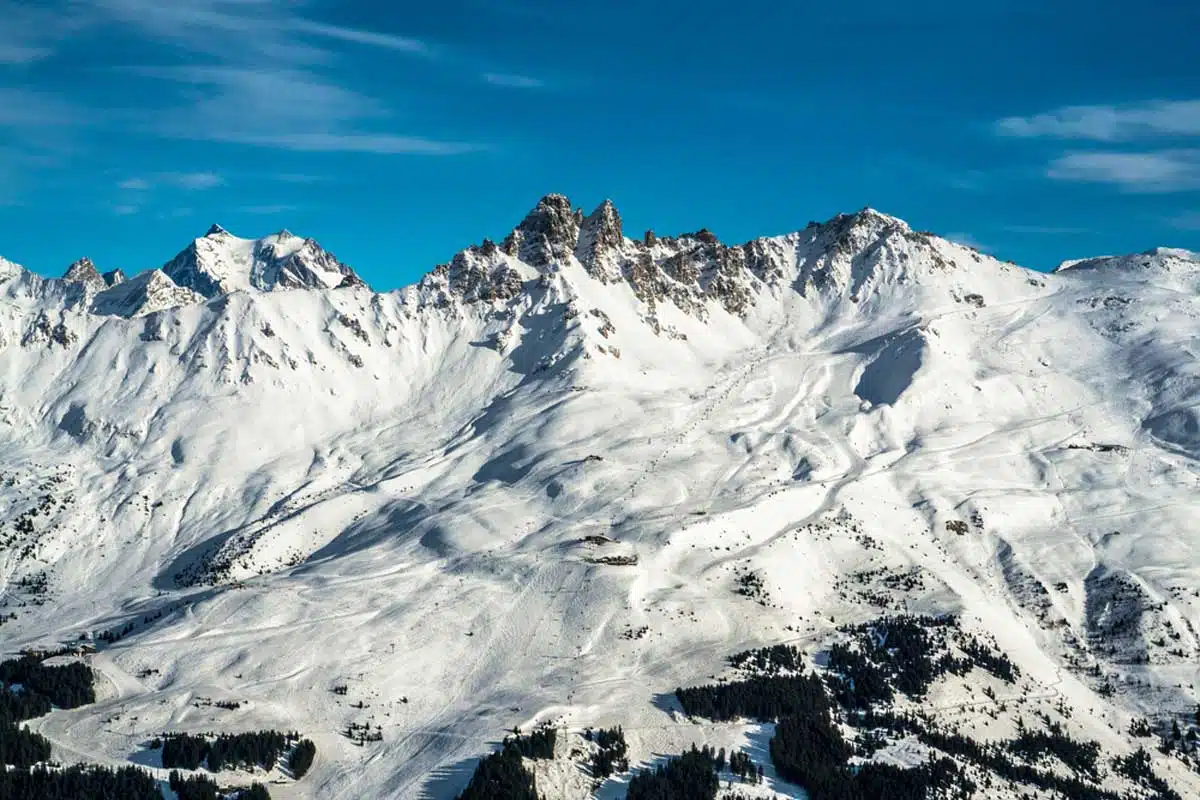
(501, 776)
(237, 751)
(78, 782)
(693, 775)
(29, 689)
(199, 787)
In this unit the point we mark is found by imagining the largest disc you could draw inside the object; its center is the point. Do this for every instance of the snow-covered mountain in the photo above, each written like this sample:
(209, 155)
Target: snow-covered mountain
(571, 471)
(219, 263)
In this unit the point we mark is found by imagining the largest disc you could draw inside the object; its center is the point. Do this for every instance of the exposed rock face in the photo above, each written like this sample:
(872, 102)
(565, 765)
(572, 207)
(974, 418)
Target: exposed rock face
(478, 274)
(548, 233)
(600, 243)
(84, 271)
(146, 293)
(849, 257)
(44, 331)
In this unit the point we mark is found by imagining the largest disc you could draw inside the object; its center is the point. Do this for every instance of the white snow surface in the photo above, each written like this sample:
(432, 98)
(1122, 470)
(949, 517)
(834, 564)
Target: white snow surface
(389, 491)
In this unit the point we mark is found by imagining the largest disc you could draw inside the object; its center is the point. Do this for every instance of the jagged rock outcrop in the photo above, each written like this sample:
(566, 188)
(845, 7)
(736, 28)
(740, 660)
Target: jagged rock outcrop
(601, 242)
(146, 293)
(548, 233)
(479, 273)
(844, 257)
(84, 272)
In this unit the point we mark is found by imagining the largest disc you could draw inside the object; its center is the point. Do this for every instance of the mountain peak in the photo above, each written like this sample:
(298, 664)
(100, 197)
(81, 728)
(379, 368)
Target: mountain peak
(84, 271)
(548, 233)
(215, 230)
(220, 263)
(599, 242)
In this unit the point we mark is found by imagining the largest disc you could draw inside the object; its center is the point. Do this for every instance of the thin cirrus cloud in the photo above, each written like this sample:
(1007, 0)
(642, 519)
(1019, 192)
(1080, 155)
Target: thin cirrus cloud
(250, 72)
(1149, 172)
(1140, 170)
(331, 142)
(512, 81)
(1108, 123)
(403, 44)
(288, 109)
(267, 209)
(191, 181)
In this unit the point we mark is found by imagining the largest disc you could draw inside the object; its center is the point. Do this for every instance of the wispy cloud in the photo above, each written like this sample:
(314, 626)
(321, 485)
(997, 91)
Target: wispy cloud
(253, 72)
(174, 213)
(1187, 221)
(31, 32)
(512, 81)
(1109, 123)
(1157, 171)
(291, 109)
(382, 144)
(296, 177)
(191, 181)
(388, 41)
(125, 210)
(267, 209)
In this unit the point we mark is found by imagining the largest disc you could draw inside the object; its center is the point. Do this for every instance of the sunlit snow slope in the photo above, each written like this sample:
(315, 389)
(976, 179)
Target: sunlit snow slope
(315, 484)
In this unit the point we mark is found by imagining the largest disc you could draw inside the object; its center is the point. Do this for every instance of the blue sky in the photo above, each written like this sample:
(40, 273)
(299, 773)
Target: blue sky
(399, 133)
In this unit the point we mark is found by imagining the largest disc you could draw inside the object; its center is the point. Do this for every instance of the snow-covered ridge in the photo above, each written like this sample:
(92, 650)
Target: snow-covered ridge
(571, 470)
(1162, 258)
(849, 257)
(219, 263)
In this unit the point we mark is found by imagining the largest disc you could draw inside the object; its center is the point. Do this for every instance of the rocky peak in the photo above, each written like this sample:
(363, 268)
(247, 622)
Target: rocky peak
(848, 257)
(476, 274)
(85, 272)
(548, 233)
(148, 292)
(115, 277)
(215, 230)
(600, 242)
(703, 235)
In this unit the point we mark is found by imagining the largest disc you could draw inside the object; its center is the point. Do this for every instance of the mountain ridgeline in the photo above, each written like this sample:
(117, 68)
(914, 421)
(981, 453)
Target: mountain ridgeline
(571, 469)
